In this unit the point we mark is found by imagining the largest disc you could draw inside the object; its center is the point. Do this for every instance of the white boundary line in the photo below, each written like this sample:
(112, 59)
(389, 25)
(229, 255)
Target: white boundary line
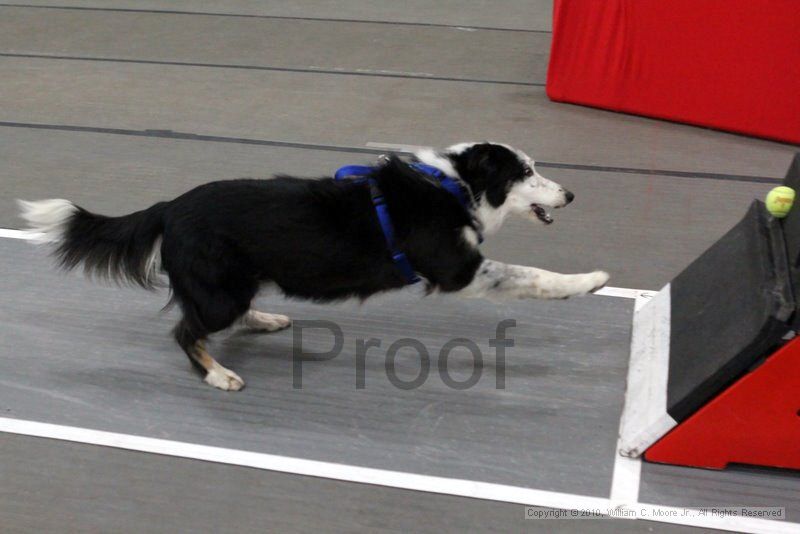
(393, 479)
(14, 234)
(621, 292)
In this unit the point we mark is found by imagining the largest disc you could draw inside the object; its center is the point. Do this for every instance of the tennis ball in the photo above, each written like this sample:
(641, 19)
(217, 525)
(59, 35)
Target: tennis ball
(779, 201)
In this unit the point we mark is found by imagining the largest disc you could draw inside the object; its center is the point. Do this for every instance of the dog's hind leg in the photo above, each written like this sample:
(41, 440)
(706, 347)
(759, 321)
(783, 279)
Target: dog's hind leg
(214, 285)
(214, 374)
(267, 322)
(495, 280)
(206, 311)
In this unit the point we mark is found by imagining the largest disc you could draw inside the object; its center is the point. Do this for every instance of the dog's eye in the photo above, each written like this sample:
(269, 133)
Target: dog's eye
(528, 171)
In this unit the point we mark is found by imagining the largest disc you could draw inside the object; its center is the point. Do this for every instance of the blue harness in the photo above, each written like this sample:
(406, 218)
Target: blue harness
(362, 175)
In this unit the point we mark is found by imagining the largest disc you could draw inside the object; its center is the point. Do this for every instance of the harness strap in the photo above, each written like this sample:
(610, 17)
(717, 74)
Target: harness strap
(382, 211)
(452, 186)
(456, 188)
(352, 170)
(384, 219)
(361, 174)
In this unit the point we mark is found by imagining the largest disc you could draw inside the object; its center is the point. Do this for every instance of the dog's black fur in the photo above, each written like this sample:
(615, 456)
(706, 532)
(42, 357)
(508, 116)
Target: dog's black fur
(314, 239)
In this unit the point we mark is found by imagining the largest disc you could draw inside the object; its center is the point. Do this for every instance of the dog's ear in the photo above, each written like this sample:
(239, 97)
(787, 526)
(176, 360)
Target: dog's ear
(481, 159)
(474, 165)
(489, 169)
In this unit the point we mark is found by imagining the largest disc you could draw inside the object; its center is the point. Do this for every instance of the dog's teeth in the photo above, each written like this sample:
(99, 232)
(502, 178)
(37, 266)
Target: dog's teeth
(541, 213)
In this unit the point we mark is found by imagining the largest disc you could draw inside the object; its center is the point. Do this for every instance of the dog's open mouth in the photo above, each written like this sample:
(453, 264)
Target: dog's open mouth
(541, 214)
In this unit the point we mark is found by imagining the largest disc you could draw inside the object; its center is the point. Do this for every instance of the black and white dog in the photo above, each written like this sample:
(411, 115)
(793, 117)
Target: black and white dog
(316, 239)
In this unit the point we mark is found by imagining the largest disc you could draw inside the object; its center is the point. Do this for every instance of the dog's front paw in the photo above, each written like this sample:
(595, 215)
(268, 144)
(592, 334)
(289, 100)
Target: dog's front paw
(588, 283)
(575, 285)
(599, 280)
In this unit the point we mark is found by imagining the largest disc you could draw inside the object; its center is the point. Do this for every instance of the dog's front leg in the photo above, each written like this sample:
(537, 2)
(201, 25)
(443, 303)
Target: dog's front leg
(495, 280)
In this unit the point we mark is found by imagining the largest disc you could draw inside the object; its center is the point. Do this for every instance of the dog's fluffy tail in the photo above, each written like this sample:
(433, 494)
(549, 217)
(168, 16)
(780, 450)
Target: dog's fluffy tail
(124, 249)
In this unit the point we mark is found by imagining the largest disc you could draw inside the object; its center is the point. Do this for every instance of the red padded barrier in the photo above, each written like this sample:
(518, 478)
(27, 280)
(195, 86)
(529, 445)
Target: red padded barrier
(727, 64)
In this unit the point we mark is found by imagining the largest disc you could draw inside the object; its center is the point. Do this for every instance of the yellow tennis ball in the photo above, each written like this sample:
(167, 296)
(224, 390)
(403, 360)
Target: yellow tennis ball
(779, 201)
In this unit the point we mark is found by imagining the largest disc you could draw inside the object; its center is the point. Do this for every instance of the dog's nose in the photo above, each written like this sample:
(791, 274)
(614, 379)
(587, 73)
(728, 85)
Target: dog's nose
(570, 196)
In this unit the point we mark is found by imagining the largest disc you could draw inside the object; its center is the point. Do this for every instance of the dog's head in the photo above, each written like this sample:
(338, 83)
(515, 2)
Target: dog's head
(503, 181)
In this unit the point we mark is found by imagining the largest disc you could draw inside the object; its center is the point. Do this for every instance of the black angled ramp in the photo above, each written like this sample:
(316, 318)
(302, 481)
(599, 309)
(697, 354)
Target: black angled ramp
(729, 309)
(791, 224)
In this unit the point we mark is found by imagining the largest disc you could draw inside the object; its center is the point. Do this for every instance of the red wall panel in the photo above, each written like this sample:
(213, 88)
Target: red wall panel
(727, 64)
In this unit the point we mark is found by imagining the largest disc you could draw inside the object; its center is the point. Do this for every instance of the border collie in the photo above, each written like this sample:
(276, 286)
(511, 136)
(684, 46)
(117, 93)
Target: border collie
(316, 239)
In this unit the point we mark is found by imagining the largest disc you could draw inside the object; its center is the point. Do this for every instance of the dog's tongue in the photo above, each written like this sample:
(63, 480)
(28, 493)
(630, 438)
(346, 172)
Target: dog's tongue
(542, 214)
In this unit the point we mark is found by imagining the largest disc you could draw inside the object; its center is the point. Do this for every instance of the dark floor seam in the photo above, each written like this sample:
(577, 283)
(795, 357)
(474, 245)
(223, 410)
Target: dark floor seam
(306, 70)
(169, 134)
(278, 17)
